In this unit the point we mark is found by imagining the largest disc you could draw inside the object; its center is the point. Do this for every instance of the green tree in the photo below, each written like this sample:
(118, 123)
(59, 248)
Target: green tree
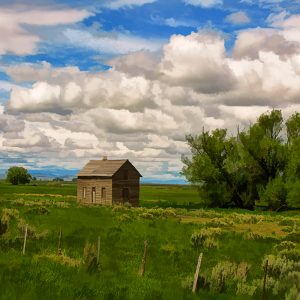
(293, 167)
(217, 168)
(262, 162)
(18, 175)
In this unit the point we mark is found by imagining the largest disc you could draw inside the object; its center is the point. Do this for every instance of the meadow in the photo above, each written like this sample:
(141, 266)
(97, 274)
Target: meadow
(235, 246)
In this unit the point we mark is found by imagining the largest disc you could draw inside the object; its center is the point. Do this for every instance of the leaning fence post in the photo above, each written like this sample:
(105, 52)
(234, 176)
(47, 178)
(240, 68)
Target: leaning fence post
(25, 239)
(59, 243)
(143, 264)
(98, 250)
(265, 279)
(196, 276)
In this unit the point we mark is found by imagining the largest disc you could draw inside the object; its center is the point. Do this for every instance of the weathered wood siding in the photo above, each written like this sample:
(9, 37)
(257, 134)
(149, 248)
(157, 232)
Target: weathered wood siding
(97, 183)
(119, 182)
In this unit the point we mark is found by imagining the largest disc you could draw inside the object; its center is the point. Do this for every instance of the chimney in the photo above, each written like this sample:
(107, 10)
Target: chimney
(104, 157)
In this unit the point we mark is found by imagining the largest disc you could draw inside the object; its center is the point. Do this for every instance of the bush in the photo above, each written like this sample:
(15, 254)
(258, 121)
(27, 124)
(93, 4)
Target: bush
(226, 274)
(283, 272)
(285, 245)
(90, 258)
(198, 238)
(275, 193)
(253, 236)
(217, 222)
(210, 243)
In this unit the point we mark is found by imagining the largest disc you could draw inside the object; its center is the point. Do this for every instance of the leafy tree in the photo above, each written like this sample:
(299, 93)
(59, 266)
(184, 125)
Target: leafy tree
(262, 162)
(216, 167)
(18, 175)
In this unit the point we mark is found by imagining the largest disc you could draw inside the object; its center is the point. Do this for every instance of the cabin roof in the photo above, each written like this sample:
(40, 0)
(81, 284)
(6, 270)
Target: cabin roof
(103, 168)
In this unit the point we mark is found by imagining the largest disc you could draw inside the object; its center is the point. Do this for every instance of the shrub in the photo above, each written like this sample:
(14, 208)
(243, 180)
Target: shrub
(217, 222)
(199, 237)
(125, 218)
(253, 236)
(275, 193)
(147, 215)
(283, 272)
(285, 245)
(90, 258)
(247, 289)
(227, 273)
(220, 274)
(210, 243)
(292, 254)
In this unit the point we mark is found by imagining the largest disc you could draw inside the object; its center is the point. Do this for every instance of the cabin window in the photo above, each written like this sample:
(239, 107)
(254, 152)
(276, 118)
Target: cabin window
(84, 193)
(103, 193)
(125, 174)
(125, 194)
(93, 194)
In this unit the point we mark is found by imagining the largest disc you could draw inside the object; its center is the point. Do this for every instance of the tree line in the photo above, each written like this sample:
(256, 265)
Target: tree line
(260, 163)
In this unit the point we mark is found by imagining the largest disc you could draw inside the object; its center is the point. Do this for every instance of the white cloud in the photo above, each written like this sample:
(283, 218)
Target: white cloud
(290, 22)
(6, 85)
(144, 105)
(112, 43)
(16, 39)
(204, 3)
(116, 4)
(197, 60)
(180, 23)
(250, 42)
(239, 17)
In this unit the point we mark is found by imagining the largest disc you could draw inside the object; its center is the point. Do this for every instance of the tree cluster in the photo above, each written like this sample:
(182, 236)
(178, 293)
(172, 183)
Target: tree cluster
(259, 163)
(18, 175)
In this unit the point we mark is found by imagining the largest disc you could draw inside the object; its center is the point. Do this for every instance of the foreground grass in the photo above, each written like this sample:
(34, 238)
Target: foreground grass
(233, 238)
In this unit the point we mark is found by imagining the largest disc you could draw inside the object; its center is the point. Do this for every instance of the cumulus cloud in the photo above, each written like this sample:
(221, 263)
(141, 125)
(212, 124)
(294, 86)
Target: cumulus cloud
(239, 17)
(142, 107)
(250, 42)
(113, 43)
(290, 22)
(196, 61)
(15, 38)
(204, 3)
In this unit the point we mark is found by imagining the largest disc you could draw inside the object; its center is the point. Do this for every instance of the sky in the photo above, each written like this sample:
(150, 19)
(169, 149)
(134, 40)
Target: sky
(131, 78)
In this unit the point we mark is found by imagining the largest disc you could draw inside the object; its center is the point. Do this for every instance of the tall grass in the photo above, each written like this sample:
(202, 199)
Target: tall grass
(231, 270)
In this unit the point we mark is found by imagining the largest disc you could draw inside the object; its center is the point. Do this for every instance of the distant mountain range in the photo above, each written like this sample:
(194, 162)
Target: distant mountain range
(69, 174)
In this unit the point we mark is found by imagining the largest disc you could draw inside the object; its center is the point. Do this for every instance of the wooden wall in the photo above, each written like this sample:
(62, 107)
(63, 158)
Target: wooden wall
(132, 183)
(114, 187)
(98, 183)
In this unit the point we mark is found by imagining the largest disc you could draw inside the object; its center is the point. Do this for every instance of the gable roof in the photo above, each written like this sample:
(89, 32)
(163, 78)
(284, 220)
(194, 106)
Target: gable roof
(105, 168)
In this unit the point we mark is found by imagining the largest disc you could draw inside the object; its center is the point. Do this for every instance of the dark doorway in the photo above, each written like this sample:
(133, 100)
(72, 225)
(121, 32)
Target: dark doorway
(125, 194)
(103, 194)
(93, 194)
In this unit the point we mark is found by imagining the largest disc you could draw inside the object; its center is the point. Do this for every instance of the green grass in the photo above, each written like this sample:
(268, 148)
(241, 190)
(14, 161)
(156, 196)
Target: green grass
(171, 257)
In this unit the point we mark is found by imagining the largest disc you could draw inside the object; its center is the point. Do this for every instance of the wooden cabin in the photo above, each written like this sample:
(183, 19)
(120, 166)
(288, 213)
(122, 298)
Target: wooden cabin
(108, 182)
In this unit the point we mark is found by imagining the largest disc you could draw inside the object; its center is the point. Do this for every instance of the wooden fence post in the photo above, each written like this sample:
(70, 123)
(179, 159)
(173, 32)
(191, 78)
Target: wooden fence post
(143, 264)
(98, 250)
(264, 296)
(59, 242)
(196, 276)
(25, 239)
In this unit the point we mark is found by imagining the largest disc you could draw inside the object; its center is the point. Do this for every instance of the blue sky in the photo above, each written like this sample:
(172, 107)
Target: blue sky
(129, 79)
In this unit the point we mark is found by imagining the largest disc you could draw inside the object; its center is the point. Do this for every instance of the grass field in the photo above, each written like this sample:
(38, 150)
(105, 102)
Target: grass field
(234, 243)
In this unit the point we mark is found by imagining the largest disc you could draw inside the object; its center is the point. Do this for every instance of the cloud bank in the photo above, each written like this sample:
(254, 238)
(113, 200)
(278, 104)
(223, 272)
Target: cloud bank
(143, 106)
